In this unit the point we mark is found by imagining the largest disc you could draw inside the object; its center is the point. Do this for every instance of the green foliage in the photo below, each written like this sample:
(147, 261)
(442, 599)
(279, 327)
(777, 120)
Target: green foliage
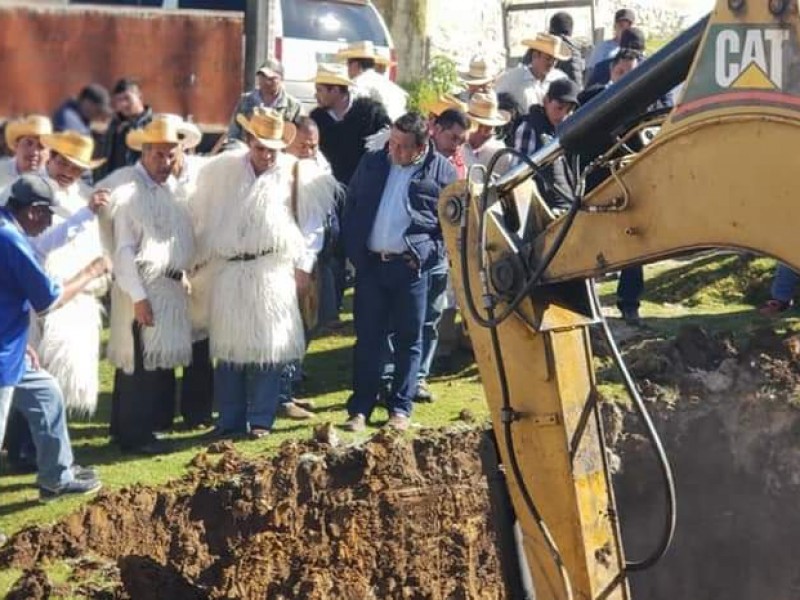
(441, 78)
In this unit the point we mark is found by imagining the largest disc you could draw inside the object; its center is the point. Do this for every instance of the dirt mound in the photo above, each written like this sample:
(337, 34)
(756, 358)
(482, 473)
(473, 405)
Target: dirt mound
(392, 518)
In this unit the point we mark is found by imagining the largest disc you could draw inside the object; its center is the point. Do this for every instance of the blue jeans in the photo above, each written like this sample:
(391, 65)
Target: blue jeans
(290, 374)
(434, 307)
(247, 396)
(38, 397)
(389, 298)
(630, 288)
(784, 284)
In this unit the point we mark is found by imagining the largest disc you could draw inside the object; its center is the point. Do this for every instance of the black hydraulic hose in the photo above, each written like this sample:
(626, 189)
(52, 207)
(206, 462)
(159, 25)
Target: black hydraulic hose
(508, 417)
(537, 275)
(655, 440)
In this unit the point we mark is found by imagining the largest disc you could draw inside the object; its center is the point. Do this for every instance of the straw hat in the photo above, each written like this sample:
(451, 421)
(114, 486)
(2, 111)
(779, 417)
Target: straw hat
(549, 44)
(478, 73)
(268, 127)
(164, 129)
(442, 103)
(76, 148)
(35, 125)
(332, 75)
(365, 49)
(483, 110)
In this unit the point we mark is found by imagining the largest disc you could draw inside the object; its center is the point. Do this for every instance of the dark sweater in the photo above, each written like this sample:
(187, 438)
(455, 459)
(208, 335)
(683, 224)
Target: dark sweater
(342, 142)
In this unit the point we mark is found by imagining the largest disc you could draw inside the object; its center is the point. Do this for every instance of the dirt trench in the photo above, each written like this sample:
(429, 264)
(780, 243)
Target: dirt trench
(408, 518)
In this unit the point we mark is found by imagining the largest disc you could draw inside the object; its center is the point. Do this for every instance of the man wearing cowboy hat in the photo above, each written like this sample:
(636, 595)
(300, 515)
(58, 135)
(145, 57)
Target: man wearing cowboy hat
(476, 78)
(392, 236)
(528, 84)
(269, 93)
(433, 108)
(538, 127)
(361, 58)
(69, 340)
(344, 120)
(23, 137)
(482, 143)
(153, 246)
(258, 262)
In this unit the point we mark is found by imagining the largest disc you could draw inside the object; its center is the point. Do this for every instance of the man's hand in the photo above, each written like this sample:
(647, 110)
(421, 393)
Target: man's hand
(302, 280)
(33, 357)
(143, 313)
(99, 200)
(98, 267)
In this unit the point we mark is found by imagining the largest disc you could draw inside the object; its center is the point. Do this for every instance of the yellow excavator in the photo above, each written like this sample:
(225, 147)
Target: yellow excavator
(719, 173)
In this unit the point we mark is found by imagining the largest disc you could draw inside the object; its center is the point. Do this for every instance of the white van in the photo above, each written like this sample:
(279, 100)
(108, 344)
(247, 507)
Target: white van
(301, 33)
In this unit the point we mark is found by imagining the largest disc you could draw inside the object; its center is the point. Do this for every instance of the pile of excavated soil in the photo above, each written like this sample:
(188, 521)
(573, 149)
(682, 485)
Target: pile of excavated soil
(394, 518)
(402, 518)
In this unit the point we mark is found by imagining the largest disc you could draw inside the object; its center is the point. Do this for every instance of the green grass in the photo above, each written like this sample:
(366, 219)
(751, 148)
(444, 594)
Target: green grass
(328, 365)
(716, 291)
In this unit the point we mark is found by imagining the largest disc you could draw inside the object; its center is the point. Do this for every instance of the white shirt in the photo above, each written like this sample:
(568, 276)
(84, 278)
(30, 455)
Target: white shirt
(380, 88)
(128, 238)
(8, 175)
(524, 87)
(393, 218)
(484, 154)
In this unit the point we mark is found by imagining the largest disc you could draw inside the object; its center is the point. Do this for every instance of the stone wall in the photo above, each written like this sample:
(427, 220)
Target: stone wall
(424, 28)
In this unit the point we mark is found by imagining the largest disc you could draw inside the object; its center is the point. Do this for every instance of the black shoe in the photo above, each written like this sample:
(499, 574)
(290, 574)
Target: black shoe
(78, 487)
(631, 316)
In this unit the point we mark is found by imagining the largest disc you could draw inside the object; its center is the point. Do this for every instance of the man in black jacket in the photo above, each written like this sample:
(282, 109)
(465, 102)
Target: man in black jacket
(561, 24)
(344, 121)
(537, 128)
(130, 112)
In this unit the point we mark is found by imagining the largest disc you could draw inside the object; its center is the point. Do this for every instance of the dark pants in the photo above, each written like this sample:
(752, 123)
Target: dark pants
(197, 387)
(389, 298)
(630, 288)
(142, 403)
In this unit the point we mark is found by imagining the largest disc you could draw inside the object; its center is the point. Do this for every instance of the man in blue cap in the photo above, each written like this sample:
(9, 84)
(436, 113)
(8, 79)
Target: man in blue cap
(24, 286)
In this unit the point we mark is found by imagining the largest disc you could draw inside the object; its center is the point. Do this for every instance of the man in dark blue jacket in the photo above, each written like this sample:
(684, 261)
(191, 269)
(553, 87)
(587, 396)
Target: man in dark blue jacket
(392, 236)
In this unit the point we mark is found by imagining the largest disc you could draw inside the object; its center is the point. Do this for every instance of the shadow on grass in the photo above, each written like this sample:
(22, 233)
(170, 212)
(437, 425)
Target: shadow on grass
(10, 509)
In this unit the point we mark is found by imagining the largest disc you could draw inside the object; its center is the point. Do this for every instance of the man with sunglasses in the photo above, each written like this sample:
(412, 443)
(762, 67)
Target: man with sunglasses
(25, 286)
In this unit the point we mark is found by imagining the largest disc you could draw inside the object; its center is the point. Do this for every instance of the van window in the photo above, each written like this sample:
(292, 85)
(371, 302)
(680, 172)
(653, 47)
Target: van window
(234, 5)
(327, 21)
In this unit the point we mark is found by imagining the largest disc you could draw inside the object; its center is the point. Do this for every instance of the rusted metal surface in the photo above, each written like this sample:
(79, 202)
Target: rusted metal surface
(188, 62)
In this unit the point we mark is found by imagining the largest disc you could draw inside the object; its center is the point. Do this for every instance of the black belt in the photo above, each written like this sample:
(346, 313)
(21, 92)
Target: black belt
(247, 256)
(174, 275)
(390, 256)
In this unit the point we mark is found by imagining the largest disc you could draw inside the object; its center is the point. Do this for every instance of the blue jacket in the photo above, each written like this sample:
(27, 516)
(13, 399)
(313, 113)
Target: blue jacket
(424, 235)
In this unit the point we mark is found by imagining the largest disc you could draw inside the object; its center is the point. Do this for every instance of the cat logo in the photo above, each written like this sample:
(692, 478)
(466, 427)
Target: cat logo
(750, 58)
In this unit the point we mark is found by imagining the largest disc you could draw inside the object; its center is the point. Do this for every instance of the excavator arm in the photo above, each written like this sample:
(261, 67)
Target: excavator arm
(720, 173)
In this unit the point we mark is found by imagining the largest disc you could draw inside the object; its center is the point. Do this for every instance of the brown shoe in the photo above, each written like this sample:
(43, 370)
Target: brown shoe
(424, 393)
(257, 433)
(398, 422)
(305, 403)
(355, 423)
(294, 412)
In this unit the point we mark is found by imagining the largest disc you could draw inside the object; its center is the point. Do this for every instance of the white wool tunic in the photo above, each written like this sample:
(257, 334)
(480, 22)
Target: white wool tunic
(68, 339)
(152, 237)
(249, 242)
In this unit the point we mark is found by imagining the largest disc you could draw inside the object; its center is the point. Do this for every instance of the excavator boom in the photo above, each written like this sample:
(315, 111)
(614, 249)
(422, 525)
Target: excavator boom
(720, 173)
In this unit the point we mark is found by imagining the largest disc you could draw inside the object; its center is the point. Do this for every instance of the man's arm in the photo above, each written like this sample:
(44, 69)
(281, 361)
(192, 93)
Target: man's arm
(234, 129)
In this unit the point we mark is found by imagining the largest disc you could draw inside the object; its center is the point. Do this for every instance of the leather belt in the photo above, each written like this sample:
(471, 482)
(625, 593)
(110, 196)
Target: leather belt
(390, 256)
(247, 256)
(174, 275)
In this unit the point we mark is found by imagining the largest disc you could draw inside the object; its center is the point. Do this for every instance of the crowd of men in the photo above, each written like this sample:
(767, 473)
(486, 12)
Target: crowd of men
(226, 264)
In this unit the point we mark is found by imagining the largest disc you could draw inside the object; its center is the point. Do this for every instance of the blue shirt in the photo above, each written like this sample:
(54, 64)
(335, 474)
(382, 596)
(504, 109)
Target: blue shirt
(68, 117)
(393, 218)
(605, 50)
(23, 285)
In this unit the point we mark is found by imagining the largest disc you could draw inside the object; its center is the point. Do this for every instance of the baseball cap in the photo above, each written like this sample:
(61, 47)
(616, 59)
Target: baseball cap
(625, 14)
(32, 189)
(271, 68)
(564, 90)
